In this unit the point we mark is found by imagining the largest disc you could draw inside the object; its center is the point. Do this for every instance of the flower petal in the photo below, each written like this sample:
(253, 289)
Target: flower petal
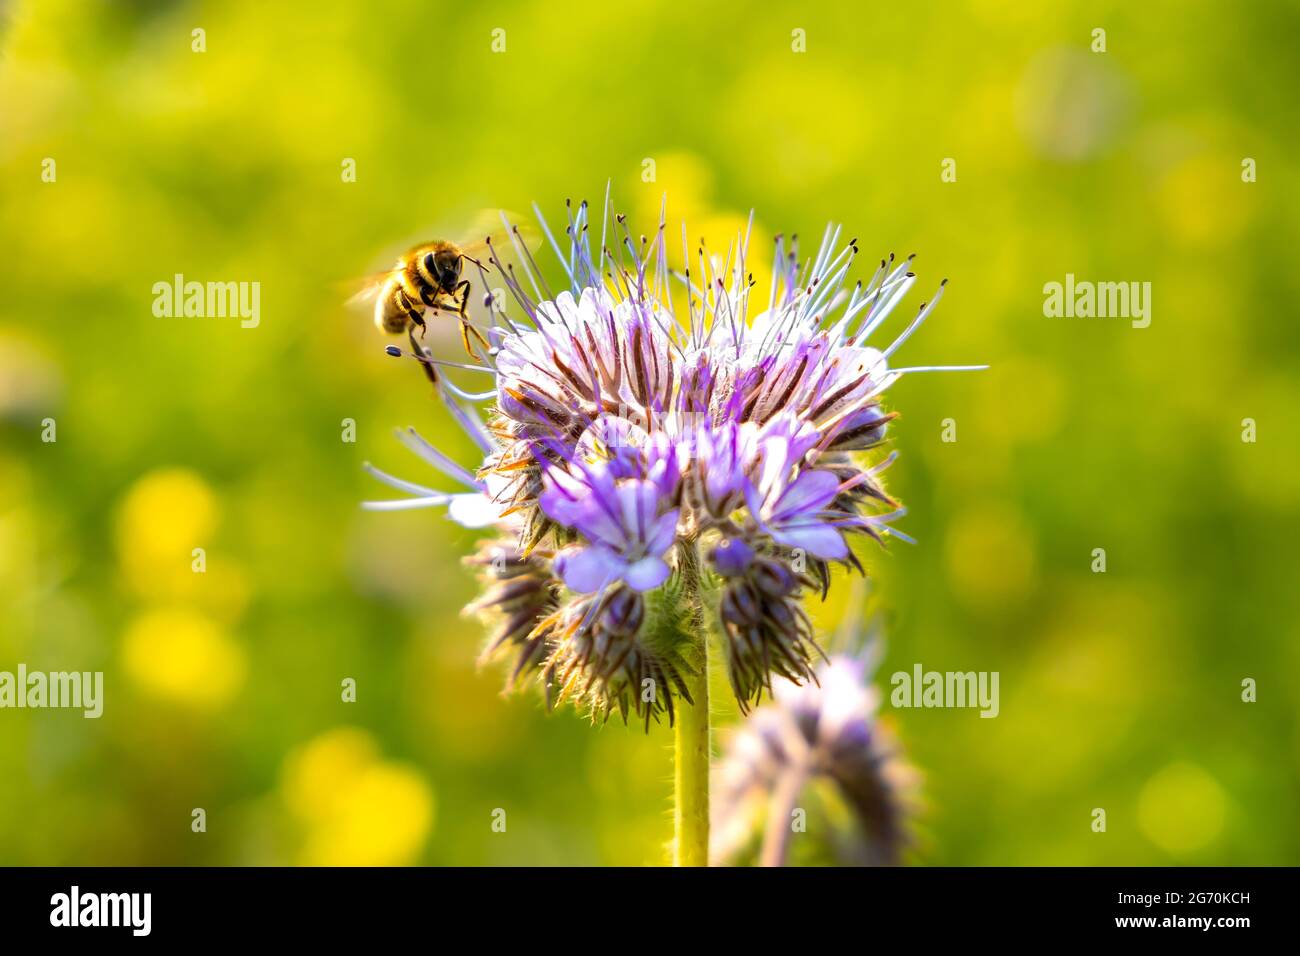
(589, 569)
(810, 492)
(818, 539)
(473, 510)
(646, 574)
(663, 533)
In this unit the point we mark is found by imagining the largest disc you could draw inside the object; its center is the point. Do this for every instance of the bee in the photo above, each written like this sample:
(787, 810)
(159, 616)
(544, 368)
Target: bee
(427, 280)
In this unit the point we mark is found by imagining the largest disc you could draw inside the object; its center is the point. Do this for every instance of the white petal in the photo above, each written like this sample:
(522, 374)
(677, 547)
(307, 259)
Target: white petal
(473, 510)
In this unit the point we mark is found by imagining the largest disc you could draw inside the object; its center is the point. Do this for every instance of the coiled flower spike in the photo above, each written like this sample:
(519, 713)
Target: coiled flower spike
(817, 747)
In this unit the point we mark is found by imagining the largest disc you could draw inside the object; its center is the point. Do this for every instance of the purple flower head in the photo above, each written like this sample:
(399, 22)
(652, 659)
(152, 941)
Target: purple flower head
(823, 734)
(654, 416)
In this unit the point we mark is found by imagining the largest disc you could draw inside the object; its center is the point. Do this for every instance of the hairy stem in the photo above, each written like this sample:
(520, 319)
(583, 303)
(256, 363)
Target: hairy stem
(691, 800)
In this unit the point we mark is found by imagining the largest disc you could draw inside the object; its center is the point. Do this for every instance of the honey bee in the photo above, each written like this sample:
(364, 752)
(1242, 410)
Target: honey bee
(427, 279)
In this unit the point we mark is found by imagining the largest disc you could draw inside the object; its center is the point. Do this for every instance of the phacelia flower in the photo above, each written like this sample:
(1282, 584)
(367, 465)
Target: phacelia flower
(818, 748)
(653, 438)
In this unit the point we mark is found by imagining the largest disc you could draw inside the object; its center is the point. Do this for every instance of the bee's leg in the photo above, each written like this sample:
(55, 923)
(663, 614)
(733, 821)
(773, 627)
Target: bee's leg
(462, 290)
(420, 355)
(465, 329)
(413, 311)
(461, 297)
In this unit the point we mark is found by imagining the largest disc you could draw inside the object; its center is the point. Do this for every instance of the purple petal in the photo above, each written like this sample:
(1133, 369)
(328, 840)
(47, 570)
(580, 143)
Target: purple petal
(811, 491)
(638, 501)
(562, 494)
(646, 574)
(754, 501)
(585, 505)
(663, 533)
(589, 569)
(820, 540)
(732, 558)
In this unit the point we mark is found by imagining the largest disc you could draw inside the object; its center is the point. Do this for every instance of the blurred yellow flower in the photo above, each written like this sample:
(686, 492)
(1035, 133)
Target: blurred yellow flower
(357, 809)
(1204, 200)
(183, 656)
(164, 517)
(1181, 809)
(685, 178)
(313, 771)
(688, 183)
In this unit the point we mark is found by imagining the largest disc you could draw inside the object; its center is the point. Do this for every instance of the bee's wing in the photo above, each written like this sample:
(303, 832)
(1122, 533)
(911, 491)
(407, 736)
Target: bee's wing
(362, 292)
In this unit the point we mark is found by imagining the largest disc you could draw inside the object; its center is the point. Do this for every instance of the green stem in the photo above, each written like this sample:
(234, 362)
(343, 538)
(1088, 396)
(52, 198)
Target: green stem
(691, 803)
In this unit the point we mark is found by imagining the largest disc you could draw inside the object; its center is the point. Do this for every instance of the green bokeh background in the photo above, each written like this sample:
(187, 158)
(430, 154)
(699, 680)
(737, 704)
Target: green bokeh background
(1119, 690)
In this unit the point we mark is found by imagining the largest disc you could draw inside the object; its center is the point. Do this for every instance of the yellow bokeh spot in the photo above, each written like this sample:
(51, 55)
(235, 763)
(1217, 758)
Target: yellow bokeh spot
(182, 656)
(164, 517)
(991, 558)
(357, 809)
(688, 183)
(313, 773)
(1204, 201)
(1181, 809)
(383, 819)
